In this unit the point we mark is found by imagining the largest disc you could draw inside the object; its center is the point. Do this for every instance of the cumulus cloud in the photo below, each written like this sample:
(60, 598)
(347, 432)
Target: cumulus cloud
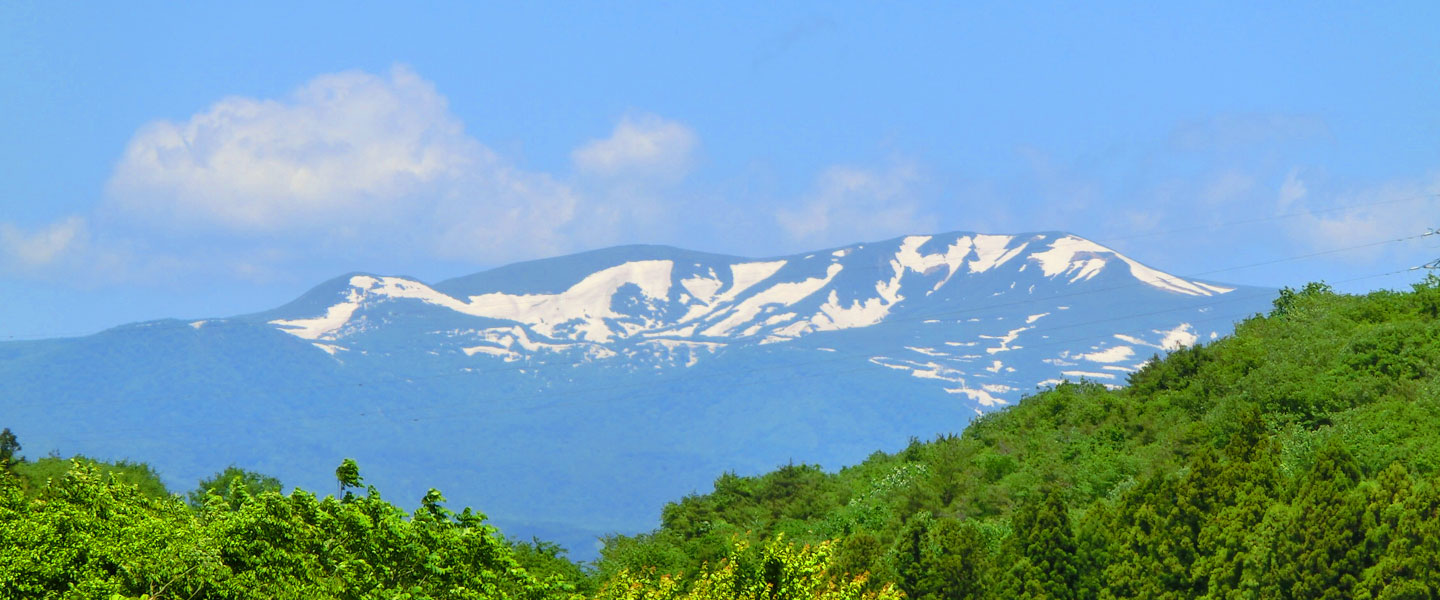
(340, 144)
(640, 146)
(850, 203)
(349, 155)
(43, 248)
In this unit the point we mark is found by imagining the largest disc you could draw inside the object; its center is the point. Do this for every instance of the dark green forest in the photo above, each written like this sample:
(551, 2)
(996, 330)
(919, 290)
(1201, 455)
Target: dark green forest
(1297, 458)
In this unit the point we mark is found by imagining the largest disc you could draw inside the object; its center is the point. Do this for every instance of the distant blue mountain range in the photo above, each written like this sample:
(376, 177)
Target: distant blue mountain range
(572, 397)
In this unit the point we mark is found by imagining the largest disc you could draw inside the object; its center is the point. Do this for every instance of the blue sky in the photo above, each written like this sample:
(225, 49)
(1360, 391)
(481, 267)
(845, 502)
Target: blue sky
(201, 160)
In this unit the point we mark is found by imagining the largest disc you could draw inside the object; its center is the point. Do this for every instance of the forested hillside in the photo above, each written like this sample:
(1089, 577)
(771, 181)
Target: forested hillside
(1296, 459)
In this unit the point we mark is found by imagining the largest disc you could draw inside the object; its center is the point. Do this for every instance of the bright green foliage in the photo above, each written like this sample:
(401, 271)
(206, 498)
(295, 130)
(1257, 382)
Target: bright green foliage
(9, 447)
(34, 475)
(546, 561)
(252, 482)
(1292, 460)
(347, 475)
(776, 570)
(89, 535)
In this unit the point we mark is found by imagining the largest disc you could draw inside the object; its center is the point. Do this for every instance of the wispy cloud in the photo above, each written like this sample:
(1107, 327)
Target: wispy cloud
(850, 203)
(640, 146)
(1388, 211)
(44, 247)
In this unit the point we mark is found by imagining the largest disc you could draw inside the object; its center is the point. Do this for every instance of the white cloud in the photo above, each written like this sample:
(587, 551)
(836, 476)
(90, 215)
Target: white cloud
(368, 160)
(640, 146)
(43, 248)
(341, 143)
(1359, 217)
(849, 204)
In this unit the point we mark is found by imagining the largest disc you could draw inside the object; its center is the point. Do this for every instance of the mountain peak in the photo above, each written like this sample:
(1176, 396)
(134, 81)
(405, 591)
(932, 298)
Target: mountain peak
(619, 301)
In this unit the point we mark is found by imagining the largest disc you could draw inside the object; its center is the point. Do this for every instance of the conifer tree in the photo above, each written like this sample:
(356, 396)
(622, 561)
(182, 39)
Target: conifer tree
(1043, 548)
(1324, 555)
(1408, 517)
(1229, 541)
(1094, 544)
(955, 567)
(907, 556)
(1147, 557)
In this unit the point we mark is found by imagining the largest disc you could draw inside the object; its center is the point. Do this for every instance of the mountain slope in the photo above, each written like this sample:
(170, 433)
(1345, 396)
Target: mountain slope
(527, 389)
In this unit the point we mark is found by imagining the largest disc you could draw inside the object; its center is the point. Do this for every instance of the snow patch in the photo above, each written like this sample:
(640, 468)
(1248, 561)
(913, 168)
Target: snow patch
(330, 349)
(780, 293)
(1094, 374)
(1005, 340)
(1062, 258)
(744, 275)
(925, 351)
(492, 351)
(991, 252)
(586, 304)
(1214, 288)
(982, 396)
(1113, 354)
(335, 317)
(1182, 335)
(702, 288)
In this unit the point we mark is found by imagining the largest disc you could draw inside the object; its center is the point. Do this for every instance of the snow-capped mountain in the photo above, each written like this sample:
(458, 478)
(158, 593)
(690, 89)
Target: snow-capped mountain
(570, 397)
(978, 300)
